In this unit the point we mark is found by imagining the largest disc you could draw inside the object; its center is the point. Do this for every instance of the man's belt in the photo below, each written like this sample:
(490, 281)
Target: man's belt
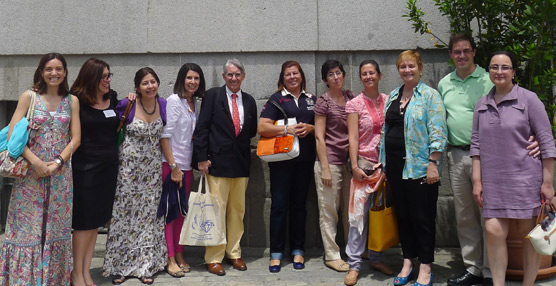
(462, 147)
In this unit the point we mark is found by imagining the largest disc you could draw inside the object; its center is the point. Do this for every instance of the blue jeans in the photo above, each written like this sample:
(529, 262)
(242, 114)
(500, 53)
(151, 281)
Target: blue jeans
(289, 184)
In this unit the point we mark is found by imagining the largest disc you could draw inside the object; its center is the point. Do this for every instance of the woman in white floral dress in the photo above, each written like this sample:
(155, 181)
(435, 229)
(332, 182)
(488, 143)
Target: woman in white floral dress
(135, 245)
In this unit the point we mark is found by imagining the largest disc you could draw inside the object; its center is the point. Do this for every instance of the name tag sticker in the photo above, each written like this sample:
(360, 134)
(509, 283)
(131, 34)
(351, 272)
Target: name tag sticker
(109, 113)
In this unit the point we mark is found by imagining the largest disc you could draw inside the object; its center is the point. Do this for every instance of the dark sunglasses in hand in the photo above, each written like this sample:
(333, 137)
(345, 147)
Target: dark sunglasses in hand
(547, 220)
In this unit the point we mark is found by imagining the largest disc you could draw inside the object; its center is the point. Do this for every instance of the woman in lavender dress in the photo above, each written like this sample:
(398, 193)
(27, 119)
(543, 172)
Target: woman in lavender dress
(508, 183)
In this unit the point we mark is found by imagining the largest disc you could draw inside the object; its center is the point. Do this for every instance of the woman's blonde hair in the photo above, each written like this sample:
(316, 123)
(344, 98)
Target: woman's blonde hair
(410, 55)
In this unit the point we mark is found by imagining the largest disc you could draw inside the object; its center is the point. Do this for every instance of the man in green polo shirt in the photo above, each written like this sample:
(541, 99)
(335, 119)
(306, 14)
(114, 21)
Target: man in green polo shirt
(460, 91)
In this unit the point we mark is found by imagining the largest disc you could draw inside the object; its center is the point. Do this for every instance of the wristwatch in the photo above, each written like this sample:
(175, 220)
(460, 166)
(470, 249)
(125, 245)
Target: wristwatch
(434, 161)
(173, 166)
(58, 161)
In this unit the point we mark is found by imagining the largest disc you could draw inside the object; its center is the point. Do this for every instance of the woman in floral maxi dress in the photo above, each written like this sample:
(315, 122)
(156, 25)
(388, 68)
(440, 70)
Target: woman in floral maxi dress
(135, 245)
(37, 245)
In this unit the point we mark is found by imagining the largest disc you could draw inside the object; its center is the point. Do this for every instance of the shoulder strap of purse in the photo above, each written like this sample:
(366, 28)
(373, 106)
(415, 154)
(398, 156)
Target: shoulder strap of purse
(350, 94)
(31, 108)
(279, 108)
(128, 107)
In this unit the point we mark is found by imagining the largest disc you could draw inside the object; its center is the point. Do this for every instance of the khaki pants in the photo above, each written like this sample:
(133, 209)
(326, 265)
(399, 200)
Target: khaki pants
(231, 196)
(330, 199)
(469, 218)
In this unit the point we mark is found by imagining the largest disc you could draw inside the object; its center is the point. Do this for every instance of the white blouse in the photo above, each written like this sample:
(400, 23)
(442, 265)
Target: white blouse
(180, 124)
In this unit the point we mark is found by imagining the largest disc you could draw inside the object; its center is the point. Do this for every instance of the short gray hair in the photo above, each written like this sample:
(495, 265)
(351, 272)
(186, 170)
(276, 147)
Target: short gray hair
(234, 62)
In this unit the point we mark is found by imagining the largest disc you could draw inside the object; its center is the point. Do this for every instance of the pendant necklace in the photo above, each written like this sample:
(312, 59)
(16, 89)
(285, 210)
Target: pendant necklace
(191, 112)
(145, 110)
(406, 101)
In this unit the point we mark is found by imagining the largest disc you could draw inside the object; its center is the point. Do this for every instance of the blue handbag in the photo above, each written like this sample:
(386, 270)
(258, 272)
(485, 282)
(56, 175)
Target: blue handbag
(12, 164)
(18, 140)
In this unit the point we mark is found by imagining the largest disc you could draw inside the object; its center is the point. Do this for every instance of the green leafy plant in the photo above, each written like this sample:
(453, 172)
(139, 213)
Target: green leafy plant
(527, 28)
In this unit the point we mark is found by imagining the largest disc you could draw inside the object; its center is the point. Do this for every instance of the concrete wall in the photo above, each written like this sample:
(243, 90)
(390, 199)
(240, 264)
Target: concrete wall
(164, 34)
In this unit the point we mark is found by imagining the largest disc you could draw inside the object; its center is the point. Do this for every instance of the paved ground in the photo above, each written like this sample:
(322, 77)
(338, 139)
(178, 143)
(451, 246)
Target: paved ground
(448, 263)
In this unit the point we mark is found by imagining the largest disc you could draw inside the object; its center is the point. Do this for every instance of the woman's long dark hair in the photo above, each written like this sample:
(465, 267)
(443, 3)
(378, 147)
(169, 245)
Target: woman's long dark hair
(179, 85)
(86, 84)
(140, 74)
(38, 81)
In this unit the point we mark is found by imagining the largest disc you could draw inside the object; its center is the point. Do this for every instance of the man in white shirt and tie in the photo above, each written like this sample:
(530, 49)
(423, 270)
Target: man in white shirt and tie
(222, 138)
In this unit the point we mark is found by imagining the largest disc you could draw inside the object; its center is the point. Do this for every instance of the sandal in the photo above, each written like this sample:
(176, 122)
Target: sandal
(118, 279)
(147, 280)
(177, 274)
(185, 267)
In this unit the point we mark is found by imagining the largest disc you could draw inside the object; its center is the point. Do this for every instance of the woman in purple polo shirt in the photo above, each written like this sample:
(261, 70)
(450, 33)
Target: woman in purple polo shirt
(332, 177)
(508, 183)
(290, 180)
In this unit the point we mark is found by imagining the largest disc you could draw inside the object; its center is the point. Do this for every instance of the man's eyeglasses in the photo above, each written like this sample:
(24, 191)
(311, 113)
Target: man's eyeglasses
(459, 52)
(232, 75)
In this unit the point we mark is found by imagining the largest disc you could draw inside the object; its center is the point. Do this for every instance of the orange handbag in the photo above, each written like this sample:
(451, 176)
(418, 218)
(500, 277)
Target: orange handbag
(279, 148)
(274, 145)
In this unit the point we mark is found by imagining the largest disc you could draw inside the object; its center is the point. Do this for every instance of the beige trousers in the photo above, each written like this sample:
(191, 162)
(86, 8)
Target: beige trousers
(330, 200)
(231, 196)
(470, 223)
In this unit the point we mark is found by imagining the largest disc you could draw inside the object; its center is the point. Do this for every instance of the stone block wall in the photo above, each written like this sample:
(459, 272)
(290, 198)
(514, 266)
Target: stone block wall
(164, 34)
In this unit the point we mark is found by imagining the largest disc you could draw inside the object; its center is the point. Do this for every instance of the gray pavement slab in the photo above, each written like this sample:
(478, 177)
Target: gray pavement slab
(448, 263)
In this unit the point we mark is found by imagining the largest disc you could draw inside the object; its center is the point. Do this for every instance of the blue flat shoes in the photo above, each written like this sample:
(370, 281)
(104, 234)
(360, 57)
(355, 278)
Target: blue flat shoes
(403, 280)
(428, 284)
(274, 268)
(298, 265)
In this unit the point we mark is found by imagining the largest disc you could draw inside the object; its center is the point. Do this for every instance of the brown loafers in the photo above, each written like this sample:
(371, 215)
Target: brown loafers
(216, 269)
(351, 278)
(238, 264)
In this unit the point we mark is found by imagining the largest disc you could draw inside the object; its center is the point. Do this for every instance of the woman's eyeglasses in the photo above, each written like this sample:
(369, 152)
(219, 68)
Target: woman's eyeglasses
(504, 68)
(107, 77)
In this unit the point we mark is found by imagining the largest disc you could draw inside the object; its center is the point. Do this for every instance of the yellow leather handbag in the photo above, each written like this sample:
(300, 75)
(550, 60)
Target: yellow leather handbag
(383, 222)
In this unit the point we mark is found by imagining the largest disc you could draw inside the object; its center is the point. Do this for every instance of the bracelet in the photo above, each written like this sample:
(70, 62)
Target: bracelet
(61, 159)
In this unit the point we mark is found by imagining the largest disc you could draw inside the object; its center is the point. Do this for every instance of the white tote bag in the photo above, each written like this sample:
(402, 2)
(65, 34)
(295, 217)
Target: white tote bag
(543, 236)
(203, 223)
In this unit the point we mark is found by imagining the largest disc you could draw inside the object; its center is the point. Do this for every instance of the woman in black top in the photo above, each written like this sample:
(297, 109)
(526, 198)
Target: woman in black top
(95, 164)
(290, 179)
(414, 139)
